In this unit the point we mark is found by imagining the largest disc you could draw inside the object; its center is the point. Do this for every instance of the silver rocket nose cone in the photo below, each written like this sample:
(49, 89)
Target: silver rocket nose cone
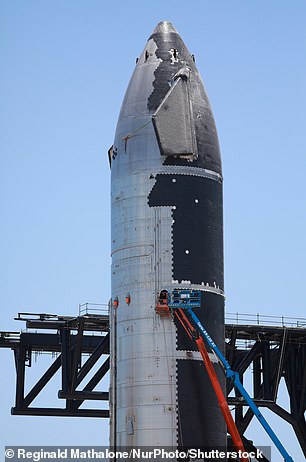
(164, 27)
(166, 93)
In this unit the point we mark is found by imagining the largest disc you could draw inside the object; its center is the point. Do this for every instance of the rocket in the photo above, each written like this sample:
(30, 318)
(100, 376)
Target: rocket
(167, 233)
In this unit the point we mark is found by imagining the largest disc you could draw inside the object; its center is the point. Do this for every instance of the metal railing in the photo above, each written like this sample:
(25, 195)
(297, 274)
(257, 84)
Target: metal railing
(102, 309)
(94, 309)
(263, 319)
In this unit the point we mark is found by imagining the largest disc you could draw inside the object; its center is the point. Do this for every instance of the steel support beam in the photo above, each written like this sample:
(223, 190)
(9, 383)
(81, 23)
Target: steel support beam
(57, 412)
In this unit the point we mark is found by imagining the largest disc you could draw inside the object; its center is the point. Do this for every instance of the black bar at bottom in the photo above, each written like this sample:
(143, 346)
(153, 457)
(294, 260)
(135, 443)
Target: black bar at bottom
(81, 395)
(41, 411)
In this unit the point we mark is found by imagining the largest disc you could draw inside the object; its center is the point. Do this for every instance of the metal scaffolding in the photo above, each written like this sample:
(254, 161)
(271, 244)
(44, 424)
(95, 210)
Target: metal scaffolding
(81, 348)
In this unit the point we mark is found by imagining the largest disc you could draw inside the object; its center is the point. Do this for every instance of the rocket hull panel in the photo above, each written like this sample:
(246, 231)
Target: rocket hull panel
(194, 430)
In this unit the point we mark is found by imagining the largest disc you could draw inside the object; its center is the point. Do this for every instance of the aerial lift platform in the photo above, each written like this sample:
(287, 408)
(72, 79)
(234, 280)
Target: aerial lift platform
(182, 303)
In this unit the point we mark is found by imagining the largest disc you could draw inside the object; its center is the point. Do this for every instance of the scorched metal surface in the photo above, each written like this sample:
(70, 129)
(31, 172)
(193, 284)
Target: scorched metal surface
(167, 232)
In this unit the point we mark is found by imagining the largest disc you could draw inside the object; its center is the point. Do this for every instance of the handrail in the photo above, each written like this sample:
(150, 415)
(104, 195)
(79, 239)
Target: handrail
(258, 319)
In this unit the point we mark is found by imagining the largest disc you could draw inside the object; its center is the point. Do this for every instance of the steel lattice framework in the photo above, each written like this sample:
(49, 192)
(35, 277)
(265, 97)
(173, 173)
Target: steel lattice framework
(81, 348)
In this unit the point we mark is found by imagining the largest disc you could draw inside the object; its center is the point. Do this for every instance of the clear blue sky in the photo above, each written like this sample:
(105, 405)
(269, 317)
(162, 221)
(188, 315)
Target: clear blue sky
(65, 66)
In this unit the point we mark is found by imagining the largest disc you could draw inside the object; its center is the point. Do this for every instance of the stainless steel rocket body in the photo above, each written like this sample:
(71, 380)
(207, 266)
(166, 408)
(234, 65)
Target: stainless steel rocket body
(167, 232)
